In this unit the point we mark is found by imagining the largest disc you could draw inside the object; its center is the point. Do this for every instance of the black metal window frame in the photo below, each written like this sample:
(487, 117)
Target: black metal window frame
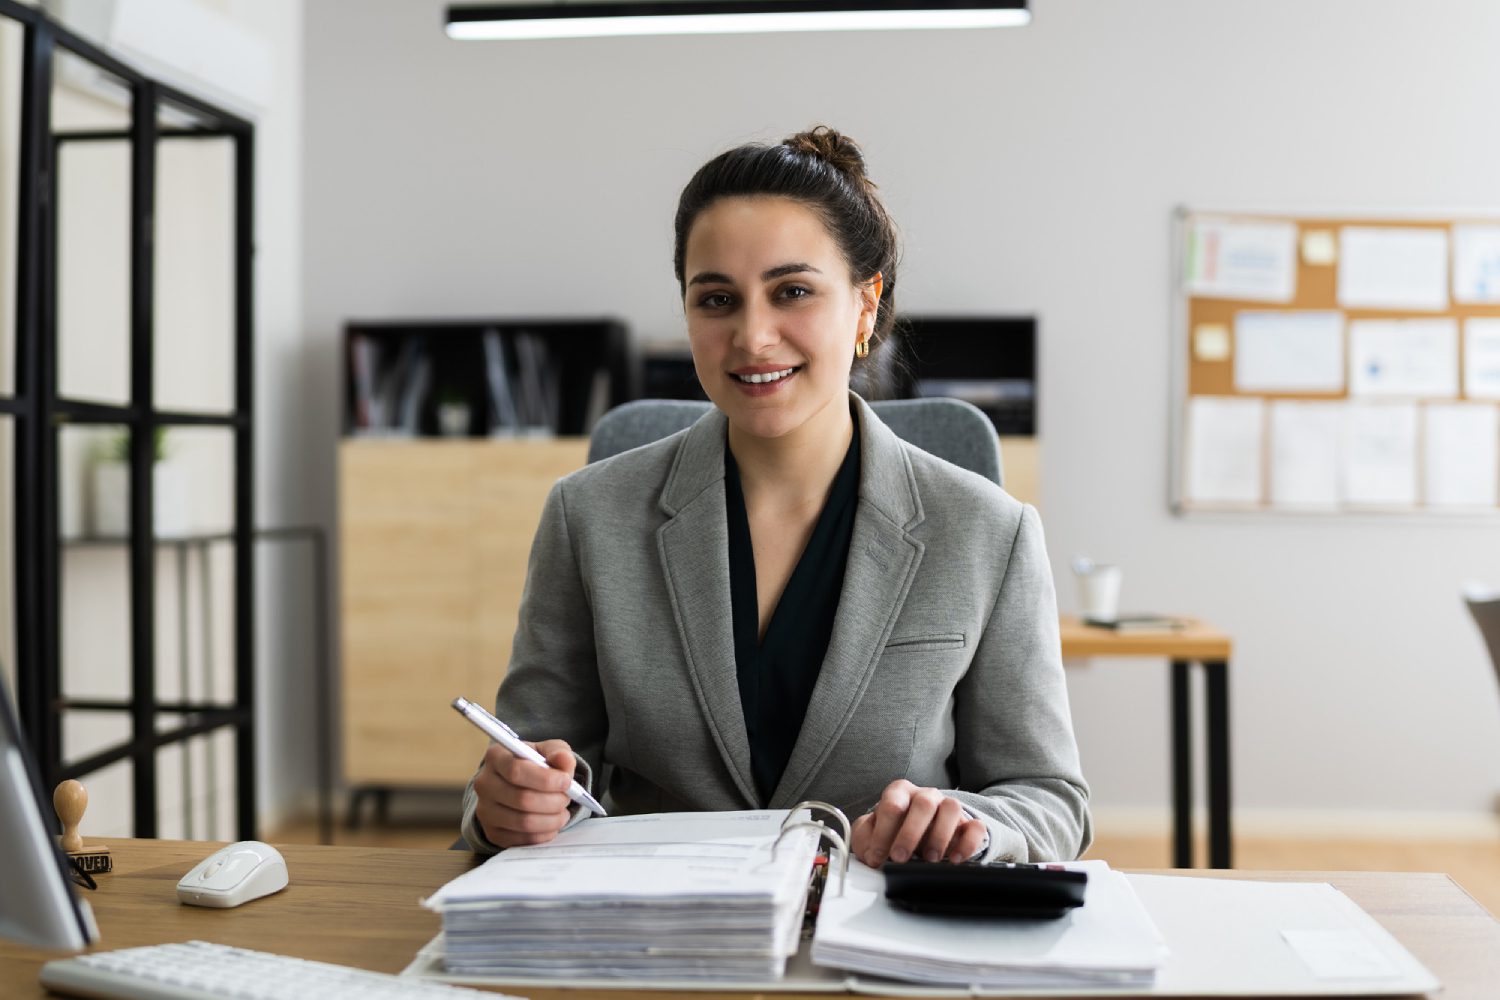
(39, 413)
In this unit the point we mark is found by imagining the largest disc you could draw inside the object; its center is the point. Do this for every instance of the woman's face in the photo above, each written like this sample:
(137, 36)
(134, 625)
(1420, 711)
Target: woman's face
(773, 314)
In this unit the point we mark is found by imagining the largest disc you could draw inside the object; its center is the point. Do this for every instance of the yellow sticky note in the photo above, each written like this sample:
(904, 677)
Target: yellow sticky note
(1319, 247)
(1211, 342)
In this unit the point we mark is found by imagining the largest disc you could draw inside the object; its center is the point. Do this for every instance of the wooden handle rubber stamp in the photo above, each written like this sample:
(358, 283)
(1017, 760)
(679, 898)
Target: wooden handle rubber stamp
(70, 799)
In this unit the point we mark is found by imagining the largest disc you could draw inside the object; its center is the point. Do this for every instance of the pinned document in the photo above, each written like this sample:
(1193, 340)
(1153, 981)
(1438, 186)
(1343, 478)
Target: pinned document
(1224, 439)
(1393, 268)
(1211, 342)
(1380, 454)
(1320, 247)
(1412, 358)
(1476, 264)
(1461, 452)
(1305, 454)
(1289, 351)
(1482, 358)
(1242, 260)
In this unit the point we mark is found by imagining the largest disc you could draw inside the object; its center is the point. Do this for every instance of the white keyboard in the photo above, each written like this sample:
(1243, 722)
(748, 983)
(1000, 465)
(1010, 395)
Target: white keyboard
(198, 970)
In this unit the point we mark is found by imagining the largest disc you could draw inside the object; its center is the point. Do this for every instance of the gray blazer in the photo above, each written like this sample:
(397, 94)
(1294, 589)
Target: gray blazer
(944, 665)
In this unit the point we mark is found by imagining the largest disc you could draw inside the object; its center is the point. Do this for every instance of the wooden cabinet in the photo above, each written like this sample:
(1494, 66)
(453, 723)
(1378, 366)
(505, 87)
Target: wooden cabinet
(434, 538)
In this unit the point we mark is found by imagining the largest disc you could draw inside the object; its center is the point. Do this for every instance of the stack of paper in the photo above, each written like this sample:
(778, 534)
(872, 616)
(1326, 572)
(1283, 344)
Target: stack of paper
(669, 896)
(1108, 942)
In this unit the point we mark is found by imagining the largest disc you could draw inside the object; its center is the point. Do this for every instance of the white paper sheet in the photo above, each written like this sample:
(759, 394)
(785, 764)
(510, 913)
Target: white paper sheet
(1379, 460)
(1409, 358)
(1289, 351)
(1343, 953)
(1482, 358)
(1242, 260)
(1393, 268)
(1305, 440)
(1476, 263)
(1224, 438)
(1230, 937)
(1110, 940)
(1461, 455)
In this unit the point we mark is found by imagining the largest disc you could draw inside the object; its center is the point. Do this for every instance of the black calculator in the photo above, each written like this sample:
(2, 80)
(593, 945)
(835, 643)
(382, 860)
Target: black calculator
(976, 890)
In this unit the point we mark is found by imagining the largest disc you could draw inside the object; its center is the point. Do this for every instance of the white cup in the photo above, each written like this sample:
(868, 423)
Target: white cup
(1099, 591)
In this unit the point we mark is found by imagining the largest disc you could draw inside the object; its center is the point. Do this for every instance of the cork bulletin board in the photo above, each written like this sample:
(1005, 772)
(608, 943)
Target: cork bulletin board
(1333, 365)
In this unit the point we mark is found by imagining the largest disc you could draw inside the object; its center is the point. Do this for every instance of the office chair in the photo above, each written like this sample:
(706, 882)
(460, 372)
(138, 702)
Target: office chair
(951, 429)
(1484, 605)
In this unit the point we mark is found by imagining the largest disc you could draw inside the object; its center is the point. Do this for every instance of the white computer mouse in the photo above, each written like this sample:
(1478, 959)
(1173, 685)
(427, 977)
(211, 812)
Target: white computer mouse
(233, 875)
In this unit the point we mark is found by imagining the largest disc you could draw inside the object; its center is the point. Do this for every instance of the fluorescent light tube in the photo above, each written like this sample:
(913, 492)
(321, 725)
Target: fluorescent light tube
(586, 20)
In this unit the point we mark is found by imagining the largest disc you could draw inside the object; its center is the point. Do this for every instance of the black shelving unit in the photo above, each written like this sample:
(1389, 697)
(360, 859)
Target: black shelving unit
(40, 413)
(988, 360)
(572, 354)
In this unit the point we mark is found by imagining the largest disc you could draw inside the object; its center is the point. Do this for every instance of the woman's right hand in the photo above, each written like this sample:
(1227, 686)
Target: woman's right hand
(521, 802)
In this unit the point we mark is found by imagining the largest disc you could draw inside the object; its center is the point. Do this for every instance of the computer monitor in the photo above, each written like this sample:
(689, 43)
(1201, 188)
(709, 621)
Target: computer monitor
(37, 903)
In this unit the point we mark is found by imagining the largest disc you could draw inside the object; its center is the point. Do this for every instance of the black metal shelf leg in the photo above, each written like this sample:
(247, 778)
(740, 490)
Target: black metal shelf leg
(1218, 764)
(1182, 766)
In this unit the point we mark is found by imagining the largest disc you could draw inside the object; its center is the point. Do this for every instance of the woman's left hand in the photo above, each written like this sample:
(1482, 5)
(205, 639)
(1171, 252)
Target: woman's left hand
(911, 821)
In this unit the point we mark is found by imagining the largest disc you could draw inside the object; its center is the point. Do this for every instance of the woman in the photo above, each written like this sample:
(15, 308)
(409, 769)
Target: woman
(786, 601)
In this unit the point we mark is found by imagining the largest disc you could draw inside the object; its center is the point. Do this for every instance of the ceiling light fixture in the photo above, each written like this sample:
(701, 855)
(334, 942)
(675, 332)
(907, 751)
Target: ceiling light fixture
(681, 17)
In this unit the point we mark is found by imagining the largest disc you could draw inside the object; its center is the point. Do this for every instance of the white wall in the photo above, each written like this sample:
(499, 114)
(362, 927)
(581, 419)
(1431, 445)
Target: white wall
(1032, 170)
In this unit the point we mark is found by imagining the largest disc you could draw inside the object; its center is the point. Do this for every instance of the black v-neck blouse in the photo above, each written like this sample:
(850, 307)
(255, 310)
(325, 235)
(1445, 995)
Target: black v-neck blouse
(776, 677)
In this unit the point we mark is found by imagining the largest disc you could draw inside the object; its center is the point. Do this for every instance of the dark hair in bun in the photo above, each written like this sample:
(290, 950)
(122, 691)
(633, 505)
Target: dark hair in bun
(822, 169)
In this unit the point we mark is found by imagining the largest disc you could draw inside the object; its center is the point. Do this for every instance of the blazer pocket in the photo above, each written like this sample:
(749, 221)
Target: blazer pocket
(926, 643)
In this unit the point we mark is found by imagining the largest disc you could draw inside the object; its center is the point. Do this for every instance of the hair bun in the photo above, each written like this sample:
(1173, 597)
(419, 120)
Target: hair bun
(834, 148)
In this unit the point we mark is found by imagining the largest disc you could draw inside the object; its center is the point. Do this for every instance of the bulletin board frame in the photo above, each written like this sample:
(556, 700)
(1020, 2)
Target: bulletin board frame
(1204, 344)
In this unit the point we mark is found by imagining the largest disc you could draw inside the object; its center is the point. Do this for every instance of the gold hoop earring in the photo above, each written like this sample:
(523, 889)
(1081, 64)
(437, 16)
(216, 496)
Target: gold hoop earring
(862, 349)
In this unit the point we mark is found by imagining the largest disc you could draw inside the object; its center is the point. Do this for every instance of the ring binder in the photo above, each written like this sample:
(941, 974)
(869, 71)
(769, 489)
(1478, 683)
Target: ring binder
(828, 833)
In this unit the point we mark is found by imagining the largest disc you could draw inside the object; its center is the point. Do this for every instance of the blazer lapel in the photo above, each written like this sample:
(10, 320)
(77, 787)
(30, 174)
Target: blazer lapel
(694, 549)
(883, 561)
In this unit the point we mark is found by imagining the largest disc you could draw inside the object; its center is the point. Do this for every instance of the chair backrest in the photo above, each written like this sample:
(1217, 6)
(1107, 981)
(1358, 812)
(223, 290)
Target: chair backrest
(948, 428)
(1484, 605)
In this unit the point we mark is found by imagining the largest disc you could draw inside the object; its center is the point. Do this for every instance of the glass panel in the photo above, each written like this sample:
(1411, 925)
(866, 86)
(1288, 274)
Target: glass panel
(194, 267)
(11, 38)
(87, 733)
(174, 778)
(218, 800)
(195, 621)
(195, 482)
(8, 552)
(195, 787)
(94, 519)
(195, 584)
(93, 233)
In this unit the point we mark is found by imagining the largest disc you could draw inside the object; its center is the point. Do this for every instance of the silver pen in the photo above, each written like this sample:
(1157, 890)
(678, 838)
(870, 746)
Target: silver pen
(506, 737)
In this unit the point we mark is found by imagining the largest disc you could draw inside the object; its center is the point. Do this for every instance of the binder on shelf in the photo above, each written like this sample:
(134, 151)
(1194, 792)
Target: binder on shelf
(538, 384)
(364, 361)
(502, 400)
(414, 393)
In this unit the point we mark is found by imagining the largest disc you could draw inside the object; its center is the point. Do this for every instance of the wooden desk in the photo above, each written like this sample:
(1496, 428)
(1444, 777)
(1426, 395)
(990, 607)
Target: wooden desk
(359, 906)
(1198, 643)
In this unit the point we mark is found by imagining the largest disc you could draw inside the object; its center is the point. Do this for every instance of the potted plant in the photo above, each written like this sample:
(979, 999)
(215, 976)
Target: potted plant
(453, 414)
(111, 489)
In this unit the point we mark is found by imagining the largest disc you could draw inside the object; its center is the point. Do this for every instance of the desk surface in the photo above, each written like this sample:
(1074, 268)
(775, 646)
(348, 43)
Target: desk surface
(358, 906)
(1198, 641)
